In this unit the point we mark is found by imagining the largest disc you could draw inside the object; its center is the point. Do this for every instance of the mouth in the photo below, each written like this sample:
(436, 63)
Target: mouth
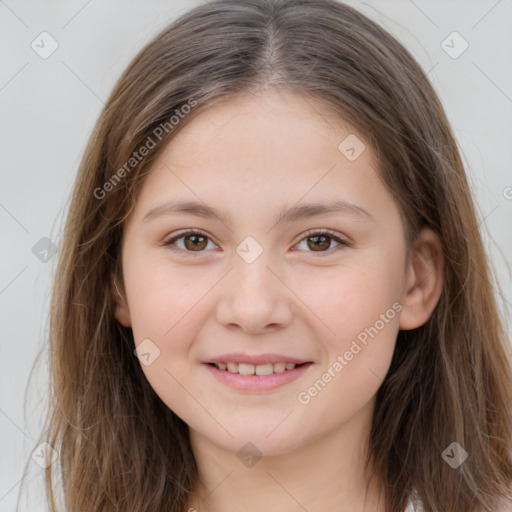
(256, 377)
(256, 369)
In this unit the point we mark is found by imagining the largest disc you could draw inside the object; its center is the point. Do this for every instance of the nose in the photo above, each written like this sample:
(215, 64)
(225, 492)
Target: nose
(254, 298)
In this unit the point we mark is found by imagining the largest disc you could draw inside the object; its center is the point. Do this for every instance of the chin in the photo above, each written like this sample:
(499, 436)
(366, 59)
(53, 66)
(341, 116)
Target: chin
(258, 441)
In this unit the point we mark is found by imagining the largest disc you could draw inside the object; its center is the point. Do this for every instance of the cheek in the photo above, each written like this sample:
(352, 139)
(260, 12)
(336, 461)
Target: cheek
(357, 356)
(162, 296)
(359, 307)
(167, 309)
(351, 298)
(165, 305)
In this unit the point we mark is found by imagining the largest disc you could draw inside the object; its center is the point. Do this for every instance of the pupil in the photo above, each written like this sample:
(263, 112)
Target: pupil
(316, 238)
(194, 244)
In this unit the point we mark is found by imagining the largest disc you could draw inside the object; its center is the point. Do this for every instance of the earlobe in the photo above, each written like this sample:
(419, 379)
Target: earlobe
(121, 312)
(424, 282)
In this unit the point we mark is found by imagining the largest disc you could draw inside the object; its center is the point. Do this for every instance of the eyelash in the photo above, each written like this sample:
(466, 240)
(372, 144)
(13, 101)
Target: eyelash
(307, 234)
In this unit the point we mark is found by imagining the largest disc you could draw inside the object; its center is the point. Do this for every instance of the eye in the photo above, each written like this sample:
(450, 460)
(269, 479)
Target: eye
(194, 241)
(321, 239)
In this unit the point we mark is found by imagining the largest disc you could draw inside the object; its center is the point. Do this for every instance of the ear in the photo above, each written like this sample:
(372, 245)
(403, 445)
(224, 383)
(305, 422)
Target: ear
(424, 280)
(121, 312)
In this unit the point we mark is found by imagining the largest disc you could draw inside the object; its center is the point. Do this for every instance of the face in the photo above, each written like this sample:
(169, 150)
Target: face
(269, 279)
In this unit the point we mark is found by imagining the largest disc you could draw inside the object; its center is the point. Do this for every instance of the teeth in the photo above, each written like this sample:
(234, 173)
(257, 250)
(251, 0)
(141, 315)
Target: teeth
(279, 367)
(246, 369)
(233, 367)
(264, 369)
(258, 369)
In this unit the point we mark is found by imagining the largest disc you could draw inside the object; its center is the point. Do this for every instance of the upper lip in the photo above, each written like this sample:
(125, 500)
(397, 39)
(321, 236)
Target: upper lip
(240, 357)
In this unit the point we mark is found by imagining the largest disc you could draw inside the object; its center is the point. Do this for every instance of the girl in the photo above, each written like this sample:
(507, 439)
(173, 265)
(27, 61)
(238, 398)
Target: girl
(272, 292)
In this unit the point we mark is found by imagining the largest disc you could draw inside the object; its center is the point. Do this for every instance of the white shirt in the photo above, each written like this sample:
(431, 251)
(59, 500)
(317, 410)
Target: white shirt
(410, 507)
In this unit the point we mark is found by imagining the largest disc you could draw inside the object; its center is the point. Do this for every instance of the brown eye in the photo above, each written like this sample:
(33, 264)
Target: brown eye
(192, 242)
(321, 242)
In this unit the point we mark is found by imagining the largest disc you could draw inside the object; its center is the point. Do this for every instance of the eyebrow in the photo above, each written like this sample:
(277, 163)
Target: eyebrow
(294, 214)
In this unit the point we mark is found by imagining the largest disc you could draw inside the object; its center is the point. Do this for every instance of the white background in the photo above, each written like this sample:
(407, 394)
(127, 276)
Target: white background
(48, 108)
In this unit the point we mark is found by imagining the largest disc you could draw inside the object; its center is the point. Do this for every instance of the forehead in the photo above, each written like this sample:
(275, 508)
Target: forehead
(278, 139)
(260, 124)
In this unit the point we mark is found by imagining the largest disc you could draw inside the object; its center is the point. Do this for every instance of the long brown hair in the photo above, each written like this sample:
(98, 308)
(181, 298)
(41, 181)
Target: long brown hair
(120, 447)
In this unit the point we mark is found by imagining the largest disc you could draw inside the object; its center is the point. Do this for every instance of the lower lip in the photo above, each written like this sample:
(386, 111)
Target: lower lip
(257, 382)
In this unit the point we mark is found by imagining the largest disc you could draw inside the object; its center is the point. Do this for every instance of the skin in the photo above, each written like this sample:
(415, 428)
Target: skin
(275, 150)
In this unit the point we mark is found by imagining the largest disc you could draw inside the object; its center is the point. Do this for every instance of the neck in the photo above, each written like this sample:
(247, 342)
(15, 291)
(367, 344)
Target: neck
(324, 474)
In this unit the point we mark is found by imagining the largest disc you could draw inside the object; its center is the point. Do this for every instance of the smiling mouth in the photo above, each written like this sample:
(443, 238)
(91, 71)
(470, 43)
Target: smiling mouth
(256, 369)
